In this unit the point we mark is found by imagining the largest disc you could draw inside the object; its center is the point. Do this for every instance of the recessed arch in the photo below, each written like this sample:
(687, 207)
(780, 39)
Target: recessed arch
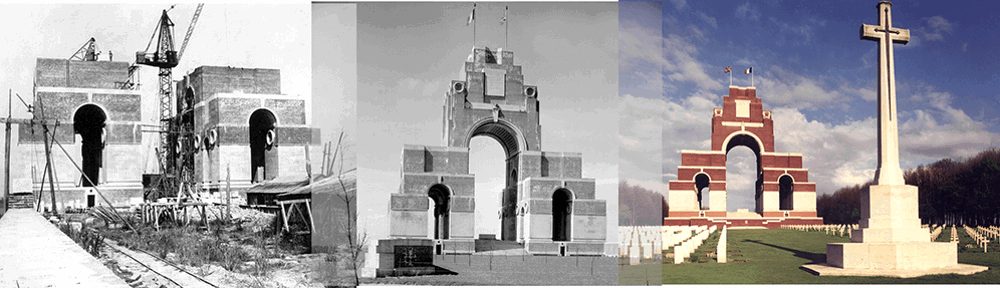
(504, 131)
(512, 140)
(440, 196)
(89, 121)
(701, 187)
(752, 142)
(263, 158)
(562, 214)
(786, 189)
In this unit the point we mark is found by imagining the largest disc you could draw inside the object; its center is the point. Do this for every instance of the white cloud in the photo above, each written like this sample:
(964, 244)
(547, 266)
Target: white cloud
(679, 3)
(675, 54)
(794, 90)
(746, 11)
(708, 19)
(639, 148)
(937, 25)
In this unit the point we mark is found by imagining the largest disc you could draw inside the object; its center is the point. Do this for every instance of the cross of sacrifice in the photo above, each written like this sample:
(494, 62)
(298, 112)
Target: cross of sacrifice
(888, 172)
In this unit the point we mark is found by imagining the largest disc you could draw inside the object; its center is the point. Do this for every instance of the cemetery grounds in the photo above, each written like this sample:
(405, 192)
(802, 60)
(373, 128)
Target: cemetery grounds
(773, 256)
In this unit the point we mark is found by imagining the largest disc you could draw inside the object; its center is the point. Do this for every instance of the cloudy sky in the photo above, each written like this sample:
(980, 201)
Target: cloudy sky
(226, 35)
(335, 74)
(406, 64)
(640, 87)
(818, 78)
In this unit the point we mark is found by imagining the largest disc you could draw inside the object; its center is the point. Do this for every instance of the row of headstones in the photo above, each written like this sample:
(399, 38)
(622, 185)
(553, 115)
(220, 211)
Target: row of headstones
(954, 234)
(936, 232)
(981, 240)
(673, 235)
(686, 247)
(829, 229)
(990, 232)
(638, 242)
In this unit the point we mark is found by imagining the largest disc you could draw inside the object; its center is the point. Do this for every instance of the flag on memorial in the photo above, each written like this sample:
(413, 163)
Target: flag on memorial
(504, 19)
(748, 71)
(728, 68)
(472, 16)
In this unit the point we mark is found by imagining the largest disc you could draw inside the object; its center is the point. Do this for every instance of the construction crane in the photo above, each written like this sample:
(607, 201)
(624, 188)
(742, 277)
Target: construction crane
(166, 58)
(87, 52)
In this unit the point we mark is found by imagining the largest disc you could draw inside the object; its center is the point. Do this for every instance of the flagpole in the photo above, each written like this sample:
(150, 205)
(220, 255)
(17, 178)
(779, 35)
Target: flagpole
(473, 26)
(505, 27)
(730, 77)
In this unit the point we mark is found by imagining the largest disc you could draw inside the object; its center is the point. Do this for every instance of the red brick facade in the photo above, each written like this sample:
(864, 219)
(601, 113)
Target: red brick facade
(742, 121)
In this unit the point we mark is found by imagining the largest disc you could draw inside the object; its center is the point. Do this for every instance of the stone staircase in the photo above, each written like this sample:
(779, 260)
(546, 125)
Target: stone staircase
(21, 201)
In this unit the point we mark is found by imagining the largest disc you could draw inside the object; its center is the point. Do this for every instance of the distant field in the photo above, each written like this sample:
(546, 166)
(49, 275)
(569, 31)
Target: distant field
(774, 257)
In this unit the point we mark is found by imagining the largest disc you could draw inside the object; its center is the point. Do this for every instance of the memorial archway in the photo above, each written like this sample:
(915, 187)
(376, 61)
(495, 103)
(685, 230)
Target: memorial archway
(491, 101)
(508, 136)
(780, 187)
(89, 123)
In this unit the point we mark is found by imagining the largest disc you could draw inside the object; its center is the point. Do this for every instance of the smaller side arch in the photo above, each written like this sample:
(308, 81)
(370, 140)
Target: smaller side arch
(562, 214)
(786, 189)
(440, 195)
(701, 181)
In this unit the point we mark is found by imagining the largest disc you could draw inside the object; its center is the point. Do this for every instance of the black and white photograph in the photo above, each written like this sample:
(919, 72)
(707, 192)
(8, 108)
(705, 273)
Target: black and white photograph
(489, 153)
(176, 145)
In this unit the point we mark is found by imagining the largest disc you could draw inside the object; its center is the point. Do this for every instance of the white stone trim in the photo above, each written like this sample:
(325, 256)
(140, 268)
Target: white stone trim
(709, 152)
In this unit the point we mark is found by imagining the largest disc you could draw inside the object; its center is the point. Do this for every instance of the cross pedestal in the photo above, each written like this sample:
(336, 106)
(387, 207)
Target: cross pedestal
(890, 241)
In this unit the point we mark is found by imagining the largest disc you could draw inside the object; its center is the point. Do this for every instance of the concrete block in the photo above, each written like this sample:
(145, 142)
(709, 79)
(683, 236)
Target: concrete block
(406, 202)
(408, 224)
(589, 228)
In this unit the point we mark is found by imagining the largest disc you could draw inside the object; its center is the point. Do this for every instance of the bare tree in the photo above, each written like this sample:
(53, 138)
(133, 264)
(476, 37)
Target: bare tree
(356, 242)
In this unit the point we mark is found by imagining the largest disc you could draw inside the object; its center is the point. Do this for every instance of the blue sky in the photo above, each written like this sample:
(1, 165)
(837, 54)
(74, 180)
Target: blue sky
(818, 78)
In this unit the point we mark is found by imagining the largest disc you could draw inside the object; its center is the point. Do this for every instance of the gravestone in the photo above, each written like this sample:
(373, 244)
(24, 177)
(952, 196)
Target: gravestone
(720, 251)
(890, 241)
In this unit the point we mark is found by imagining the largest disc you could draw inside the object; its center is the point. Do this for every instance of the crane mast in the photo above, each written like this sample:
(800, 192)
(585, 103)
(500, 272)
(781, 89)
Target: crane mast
(165, 57)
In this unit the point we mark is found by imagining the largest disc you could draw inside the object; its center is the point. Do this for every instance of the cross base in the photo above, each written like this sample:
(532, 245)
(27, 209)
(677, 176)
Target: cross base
(827, 270)
(905, 260)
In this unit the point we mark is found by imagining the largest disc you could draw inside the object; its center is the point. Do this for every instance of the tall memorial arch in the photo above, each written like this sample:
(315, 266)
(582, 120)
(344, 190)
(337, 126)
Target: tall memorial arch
(783, 193)
(547, 207)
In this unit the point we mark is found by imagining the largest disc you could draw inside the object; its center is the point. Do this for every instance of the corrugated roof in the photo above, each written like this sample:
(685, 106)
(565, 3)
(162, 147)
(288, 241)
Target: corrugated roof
(279, 185)
(328, 184)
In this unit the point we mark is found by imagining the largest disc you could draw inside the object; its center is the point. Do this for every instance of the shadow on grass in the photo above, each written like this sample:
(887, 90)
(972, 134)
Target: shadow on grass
(816, 258)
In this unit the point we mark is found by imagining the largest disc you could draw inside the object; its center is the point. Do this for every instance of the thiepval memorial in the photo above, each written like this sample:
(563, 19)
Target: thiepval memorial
(891, 241)
(547, 207)
(236, 119)
(784, 195)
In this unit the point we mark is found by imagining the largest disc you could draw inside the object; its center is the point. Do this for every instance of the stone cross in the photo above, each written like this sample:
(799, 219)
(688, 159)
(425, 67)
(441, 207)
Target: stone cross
(888, 172)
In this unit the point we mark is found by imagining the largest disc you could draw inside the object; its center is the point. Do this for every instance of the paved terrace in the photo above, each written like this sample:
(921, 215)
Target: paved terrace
(34, 253)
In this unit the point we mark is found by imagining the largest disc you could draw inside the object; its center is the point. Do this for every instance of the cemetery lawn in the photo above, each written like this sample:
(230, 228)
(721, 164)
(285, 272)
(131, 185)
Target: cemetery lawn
(774, 256)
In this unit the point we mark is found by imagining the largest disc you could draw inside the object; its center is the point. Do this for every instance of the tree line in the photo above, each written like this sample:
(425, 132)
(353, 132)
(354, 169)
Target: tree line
(951, 191)
(639, 206)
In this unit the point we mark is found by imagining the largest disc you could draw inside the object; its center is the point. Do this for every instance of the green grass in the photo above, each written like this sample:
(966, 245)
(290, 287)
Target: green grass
(774, 256)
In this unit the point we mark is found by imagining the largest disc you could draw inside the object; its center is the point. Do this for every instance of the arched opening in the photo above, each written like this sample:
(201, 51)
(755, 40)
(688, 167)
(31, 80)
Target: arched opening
(263, 159)
(785, 189)
(487, 161)
(440, 210)
(562, 214)
(88, 122)
(744, 174)
(503, 133)
(701, 184)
